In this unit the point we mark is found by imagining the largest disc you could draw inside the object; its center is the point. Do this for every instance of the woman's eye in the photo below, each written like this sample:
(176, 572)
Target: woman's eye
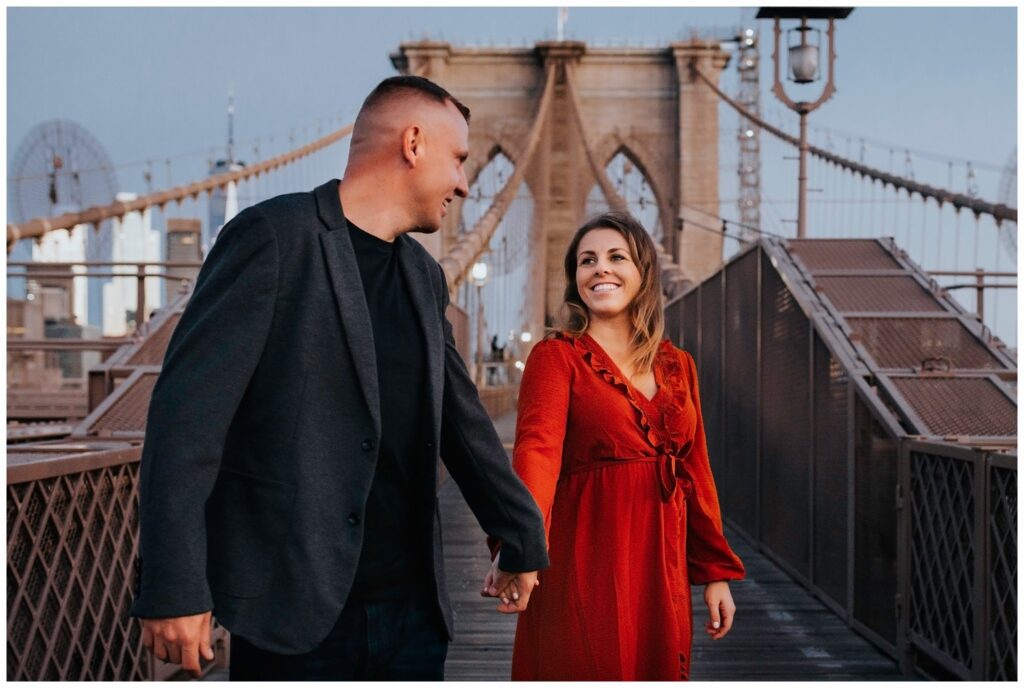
(618, 256)
(586, 261)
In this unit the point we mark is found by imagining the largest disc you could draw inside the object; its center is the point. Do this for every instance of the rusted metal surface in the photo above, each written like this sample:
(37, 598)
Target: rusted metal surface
(916, 343)
(18, 433)
(36, 404)
(842, 254)
(152, 349)
(123, 413)
(147, 349)
(32, 265)
(877, 294)
(97, 214)
(65, 344)
(959, 406)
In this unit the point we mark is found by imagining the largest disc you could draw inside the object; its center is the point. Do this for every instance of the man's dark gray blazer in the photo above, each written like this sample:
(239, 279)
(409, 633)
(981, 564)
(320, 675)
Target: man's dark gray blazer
(264, 425)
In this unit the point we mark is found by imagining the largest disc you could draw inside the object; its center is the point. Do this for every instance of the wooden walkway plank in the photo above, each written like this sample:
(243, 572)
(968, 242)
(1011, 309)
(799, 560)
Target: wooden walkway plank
(781, 632)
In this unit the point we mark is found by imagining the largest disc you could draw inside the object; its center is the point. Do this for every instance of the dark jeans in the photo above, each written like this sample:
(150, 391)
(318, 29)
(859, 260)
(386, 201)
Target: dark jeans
(386, 640)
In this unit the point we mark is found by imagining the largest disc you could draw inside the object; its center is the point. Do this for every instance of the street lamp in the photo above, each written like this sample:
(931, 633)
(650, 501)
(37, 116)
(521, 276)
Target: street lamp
(478, 275)
(804, 58)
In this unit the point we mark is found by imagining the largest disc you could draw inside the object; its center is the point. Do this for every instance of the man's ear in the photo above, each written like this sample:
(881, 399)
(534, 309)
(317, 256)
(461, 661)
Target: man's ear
(412, 144)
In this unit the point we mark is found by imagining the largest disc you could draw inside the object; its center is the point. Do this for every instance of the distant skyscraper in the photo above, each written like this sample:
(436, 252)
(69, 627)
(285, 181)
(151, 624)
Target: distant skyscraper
(134, 240)
(223, 201)
(182, 247)
(63, 246)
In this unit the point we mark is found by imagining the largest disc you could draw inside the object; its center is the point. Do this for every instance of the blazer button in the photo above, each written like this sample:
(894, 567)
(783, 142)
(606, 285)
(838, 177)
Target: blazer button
(430, 445)
(353, 519)
(368, 445)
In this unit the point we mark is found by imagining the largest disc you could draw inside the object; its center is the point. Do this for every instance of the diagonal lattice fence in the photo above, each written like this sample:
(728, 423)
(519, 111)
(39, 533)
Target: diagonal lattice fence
(71, 541)
(1002, 567)
(963, 559)
(943, 551)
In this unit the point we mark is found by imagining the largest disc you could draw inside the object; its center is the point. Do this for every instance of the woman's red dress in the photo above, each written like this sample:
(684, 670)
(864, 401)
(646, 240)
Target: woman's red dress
(631, 513)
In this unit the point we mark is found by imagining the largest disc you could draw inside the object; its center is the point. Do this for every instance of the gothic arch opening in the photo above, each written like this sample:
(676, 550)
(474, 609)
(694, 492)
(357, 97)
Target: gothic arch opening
(628, 178)
(503, 296)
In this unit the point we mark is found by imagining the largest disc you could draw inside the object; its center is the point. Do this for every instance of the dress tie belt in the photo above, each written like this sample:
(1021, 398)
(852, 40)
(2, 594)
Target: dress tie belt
(671, 473)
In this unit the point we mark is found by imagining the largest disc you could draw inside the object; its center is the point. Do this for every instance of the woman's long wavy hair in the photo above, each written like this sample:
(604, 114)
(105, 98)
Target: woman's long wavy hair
(647, 310)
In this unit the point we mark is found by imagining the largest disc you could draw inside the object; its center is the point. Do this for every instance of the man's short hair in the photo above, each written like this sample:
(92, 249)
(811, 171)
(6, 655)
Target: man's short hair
(406, 85)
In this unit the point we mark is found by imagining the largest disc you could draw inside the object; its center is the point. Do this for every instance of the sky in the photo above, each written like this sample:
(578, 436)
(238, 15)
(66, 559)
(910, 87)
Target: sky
(151, 83)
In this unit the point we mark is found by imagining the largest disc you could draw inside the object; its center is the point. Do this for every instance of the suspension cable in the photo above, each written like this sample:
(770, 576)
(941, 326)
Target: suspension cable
(96, 214)
(997, 210)
(471, 245)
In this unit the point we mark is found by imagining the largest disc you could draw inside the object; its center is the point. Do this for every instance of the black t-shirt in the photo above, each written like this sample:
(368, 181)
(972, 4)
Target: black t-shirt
(395, 558)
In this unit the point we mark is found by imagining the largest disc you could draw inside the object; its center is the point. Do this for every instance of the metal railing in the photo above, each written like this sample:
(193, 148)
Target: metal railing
(959, 572)
(820, 461)
(138, 271)
(94, 215)
(72, 537)
(979, 284)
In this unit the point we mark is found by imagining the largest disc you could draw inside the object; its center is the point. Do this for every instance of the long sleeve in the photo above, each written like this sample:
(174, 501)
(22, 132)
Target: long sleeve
(211, 357)
(476, 460)
(708, 555)
(541, 423)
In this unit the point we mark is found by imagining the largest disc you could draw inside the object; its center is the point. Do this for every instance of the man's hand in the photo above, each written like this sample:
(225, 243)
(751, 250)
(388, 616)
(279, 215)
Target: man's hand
(513, 588)
(721, 608)
(179, 640)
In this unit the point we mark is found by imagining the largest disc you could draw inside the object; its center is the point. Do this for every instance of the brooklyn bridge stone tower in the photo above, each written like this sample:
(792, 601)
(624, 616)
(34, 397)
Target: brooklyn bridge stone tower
(645, 103)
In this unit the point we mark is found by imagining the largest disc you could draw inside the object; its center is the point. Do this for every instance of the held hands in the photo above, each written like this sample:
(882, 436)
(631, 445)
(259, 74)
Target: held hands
(721, 608)
(180, 640)
(513, 588)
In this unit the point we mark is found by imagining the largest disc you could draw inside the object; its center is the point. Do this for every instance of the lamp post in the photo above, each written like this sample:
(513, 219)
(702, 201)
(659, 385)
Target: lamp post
(804, 58)
(478, 274)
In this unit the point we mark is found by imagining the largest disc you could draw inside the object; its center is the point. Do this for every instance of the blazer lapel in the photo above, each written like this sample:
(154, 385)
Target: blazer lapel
(424, 300)
(343, 272)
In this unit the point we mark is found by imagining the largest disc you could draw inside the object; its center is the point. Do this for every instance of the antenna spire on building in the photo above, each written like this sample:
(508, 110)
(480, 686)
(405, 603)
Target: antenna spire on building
(231, 126)
(563, 17)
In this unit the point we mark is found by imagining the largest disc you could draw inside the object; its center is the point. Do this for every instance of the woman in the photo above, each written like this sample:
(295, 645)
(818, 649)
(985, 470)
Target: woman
(610, 441)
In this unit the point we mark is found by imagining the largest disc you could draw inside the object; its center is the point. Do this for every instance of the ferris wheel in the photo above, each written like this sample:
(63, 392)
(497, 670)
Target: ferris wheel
(60, 167)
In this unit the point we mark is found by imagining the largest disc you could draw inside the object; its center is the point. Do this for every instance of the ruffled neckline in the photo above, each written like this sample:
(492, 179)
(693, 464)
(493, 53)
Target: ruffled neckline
(668, 376)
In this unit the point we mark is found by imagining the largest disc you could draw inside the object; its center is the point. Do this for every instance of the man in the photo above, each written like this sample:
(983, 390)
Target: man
(290, 465)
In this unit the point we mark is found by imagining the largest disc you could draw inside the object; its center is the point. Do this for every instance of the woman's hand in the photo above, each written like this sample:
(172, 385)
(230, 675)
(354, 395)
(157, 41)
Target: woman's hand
(513, 588)
(721, 608)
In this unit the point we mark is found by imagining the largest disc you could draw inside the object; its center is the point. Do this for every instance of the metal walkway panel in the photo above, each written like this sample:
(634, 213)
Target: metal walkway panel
(878, 294)
(959, 406)
(909, 342)
(152, 350)
(123, 413)
(842, 254)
